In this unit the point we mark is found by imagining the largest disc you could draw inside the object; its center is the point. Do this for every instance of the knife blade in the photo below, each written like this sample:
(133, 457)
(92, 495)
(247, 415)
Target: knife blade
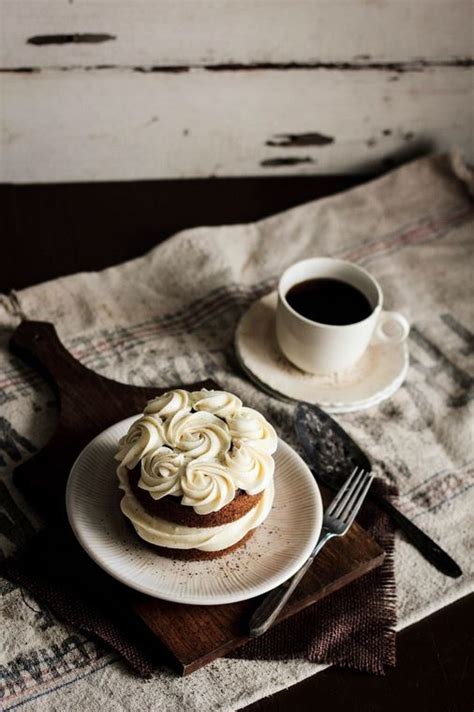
(332, 453)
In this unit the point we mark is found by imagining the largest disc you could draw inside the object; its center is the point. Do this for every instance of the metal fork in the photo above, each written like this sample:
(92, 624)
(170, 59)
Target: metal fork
(337, 519)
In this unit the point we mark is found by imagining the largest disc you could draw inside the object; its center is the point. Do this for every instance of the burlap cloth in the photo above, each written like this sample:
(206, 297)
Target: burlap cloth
(168, 318)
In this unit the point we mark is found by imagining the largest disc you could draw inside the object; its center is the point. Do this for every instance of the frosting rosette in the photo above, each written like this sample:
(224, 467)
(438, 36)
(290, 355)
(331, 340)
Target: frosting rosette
(207, 486)
(145, 434)
(219, 403)
(199, 435)
(251, 469)
(169, 403)
(250, 427)
(161, 472)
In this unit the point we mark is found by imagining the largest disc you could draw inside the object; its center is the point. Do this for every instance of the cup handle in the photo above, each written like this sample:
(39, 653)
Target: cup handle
(391, 328)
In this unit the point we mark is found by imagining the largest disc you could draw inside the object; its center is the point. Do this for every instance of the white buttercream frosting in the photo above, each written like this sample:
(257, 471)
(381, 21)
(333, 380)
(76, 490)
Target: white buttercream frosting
(249, 426)
(146, 434)
(251, 469)
(170, 403)
(207, 486)
(198, 435)
(161, 472)
(201, 446)
(220, 403)
(160, 532)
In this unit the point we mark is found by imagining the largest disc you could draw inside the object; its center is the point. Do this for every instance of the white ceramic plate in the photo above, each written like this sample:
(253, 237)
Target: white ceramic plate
(378, 374)
(275, 552)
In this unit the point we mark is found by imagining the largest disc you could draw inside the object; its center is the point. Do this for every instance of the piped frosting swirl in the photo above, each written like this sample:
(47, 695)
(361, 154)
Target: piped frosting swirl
(198, 435)
(145, 434)
(161, 472)
(170, 403)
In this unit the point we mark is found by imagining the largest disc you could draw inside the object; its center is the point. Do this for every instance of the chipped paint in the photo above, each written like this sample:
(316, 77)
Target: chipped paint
(304, 139)
(20, 70)
(77, 38)
(285, 161)
(396, 69)
(166, 69)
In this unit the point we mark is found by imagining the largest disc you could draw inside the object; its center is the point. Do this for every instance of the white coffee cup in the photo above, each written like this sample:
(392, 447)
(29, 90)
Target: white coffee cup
(324, 348)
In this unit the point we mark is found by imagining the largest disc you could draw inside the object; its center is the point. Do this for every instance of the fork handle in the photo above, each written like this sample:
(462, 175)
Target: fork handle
(272, 604)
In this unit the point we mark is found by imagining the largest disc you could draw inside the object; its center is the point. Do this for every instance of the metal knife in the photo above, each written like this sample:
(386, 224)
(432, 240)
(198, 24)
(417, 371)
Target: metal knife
(331, 453)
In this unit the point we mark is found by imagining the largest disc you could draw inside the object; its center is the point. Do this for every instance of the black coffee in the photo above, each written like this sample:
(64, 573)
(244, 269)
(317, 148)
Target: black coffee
(329, 301)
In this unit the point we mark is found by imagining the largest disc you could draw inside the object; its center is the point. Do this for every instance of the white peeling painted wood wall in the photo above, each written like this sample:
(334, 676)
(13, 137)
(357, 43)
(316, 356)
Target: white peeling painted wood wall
(105, 90)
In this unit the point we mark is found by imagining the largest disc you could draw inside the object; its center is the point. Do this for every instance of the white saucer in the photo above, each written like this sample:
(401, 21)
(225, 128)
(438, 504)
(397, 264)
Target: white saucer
(379, 373)
(276, 551)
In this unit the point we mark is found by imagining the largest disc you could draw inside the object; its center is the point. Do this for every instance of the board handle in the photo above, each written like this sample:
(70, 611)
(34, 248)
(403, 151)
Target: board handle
(37, 343)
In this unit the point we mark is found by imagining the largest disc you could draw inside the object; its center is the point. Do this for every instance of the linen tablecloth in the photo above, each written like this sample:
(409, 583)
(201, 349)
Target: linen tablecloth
(169, 317)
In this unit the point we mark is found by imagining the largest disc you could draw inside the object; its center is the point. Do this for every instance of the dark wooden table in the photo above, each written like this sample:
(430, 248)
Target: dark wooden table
(54, 230)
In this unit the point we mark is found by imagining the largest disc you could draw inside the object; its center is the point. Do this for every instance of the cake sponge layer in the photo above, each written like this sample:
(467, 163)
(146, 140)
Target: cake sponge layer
(171, 509)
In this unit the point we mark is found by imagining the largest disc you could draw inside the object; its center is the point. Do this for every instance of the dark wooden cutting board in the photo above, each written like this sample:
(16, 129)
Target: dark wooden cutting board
(89, 403)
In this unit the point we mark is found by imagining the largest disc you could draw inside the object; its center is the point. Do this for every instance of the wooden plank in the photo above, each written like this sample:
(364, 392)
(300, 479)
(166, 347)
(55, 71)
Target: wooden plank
(189, 33)
(111, 125)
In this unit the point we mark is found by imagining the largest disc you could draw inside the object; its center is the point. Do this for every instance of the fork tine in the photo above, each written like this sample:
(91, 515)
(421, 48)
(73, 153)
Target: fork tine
(355, 484)
(353, 507)
(342, 494)
(352, 496)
